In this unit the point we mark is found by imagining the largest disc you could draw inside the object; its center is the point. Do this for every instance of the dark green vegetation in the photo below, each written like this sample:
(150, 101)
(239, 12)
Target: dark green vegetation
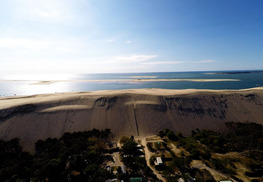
(238, 138)
(74, 157)
(211, 149)
(83, 156)
(133, 158)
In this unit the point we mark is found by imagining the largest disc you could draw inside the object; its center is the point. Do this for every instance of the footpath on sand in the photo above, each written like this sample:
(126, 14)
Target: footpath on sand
(148, 155)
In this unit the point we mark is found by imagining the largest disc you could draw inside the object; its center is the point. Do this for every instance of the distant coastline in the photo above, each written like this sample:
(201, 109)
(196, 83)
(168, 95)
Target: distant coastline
(233, 72)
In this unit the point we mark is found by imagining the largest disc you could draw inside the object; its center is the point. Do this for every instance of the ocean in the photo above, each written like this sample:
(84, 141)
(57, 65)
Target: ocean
(25, 84)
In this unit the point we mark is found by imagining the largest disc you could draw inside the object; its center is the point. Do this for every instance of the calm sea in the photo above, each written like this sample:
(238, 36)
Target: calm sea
(19, 85)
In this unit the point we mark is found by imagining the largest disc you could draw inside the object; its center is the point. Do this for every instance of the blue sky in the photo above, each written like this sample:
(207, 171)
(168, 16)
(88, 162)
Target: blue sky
(94, 36)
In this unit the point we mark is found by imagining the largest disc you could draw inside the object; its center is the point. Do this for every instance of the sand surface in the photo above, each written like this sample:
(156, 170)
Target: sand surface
(141, 112)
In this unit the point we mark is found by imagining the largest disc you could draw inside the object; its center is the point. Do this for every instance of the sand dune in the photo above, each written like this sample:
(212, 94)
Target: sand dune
(126, 112)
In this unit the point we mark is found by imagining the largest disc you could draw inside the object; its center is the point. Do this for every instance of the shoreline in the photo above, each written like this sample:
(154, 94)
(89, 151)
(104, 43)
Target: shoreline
(48, 82)
(143, 91)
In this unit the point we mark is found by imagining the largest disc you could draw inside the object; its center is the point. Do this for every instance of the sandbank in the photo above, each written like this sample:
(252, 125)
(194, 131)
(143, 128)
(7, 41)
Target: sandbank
(137, 80)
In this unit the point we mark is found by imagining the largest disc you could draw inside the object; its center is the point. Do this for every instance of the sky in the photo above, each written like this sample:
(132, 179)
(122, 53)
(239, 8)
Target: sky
(119, 36)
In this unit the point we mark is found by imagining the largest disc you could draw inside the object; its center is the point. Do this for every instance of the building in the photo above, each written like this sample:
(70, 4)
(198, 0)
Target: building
(139, 146)
(158, 161)
(181, 180)
(108, 168)
(111, 180)
(123, 169)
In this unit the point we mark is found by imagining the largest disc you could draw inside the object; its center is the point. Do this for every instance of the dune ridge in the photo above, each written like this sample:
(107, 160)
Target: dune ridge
(139, 112)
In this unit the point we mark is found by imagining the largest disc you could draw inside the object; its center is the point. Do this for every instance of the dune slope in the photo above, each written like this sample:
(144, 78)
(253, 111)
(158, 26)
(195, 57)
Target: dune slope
(126, 112)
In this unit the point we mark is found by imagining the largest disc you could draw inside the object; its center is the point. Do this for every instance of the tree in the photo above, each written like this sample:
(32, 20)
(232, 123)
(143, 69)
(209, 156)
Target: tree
(172, 136)
(124, 139)
(129, 147)
(161, 134)
(105, 133)
(119, 170)
(180, 135)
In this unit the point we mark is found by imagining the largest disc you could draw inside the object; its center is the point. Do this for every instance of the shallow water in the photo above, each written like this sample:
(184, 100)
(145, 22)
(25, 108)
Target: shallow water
(23, 87)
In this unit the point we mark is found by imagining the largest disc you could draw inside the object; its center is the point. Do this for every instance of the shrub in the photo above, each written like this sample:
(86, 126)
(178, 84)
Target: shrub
(150, 147)
(124, 139)
(172, 136)
(161, 134)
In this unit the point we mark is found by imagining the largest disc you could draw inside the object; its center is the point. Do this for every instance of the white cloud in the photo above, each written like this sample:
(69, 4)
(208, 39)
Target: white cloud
(48, 10)
(16, 44)
(44, 9)
(128, 41)
(23, 43)
(205, 61)
(132, 59)
(163, 62)
(110, 40)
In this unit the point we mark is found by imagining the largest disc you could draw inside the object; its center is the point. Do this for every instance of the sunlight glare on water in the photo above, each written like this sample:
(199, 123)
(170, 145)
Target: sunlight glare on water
(57, 83)
(38, 77)
(27, 84)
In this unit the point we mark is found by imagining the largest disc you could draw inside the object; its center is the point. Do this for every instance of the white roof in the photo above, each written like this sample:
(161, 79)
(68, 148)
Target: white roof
(123, 168)
(159, 160)
(180, 180)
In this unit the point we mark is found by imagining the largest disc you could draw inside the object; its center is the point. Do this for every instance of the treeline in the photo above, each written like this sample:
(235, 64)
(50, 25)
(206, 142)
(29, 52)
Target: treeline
(74, 157)
(238, 137)
(245, 138)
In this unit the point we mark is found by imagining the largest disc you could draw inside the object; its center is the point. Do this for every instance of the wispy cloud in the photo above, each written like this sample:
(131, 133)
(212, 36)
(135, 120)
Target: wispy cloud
(205, 61)
(133, 58)
(23, 43)
(110, 40)
(128, 41)
(48, 10)
(30, 45)
(163, 62)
